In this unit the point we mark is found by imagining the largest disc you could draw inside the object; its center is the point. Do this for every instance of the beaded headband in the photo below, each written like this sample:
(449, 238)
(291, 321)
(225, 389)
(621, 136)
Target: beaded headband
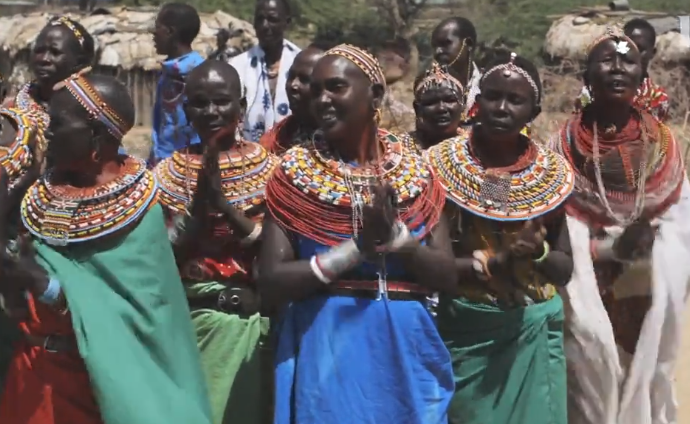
(69, 24)
(623, 42)
(437, 76)
(86, 95)
(509, 68)
(363, 59)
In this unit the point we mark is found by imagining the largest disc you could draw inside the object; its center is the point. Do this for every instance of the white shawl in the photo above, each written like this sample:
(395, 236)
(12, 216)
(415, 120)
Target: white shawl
(263, 112)
(602, 387)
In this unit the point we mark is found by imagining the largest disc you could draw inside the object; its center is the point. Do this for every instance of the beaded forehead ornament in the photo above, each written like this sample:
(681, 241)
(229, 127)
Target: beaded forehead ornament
(86, 95)
(622, 41)
(509, 68)
(69, 24)
(363, 59)
(436, 76)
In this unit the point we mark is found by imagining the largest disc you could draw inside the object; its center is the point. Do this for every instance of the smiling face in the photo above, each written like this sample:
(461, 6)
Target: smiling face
(506, 104)
(213, 100)
(55, 55)
(342, 98)
(270, 22)
(298, 80)
(614, 72)
(439, 111)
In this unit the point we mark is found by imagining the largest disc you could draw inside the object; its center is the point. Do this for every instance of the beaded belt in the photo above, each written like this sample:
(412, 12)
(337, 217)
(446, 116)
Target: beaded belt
(234, 300)
(396, 290)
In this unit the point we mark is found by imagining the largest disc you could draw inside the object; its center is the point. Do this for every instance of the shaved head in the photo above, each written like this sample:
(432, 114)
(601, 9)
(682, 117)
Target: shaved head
(217, 71)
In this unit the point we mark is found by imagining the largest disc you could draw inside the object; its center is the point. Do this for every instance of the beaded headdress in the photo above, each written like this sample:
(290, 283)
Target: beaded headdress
(436, 76)
(363, 59)
(86, 95)
(623, 42)
(69, 24)
(509, 68)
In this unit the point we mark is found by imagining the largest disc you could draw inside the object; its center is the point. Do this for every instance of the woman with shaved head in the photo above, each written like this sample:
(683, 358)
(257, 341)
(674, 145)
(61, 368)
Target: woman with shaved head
(213, 195)
(353, 244)
(108, 337)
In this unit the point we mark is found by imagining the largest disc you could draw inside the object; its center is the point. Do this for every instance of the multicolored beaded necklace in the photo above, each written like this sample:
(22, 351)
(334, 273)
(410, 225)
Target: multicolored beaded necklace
(244, 171)
(16, 158)
(62, 214)
(663, 168)
(36, 112)
(312, 193)
(409, 140)
(538, 183)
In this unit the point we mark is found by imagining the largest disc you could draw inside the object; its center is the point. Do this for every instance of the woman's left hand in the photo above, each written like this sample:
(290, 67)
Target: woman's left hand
(530, 240)
(378, 218)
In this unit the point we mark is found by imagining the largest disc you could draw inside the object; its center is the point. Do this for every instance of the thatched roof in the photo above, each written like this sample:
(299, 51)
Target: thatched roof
(570, 35)
(122, 34)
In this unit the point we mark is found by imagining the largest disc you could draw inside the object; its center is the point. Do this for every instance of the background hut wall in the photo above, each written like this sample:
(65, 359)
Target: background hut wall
(142, 87)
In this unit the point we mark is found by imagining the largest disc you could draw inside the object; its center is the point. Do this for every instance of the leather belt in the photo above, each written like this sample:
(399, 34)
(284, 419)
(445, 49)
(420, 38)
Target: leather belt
(395, 290)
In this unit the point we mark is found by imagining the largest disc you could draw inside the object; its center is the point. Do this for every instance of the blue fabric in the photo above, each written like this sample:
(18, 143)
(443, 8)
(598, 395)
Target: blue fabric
(170, 128)
(347, 360)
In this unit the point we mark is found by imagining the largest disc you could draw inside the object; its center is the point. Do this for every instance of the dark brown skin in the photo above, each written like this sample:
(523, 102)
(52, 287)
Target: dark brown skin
(166, 39)
(614, 79)
(506, 105)
(344, 101)
(297, 85)
(270, 23)
(214, 107)
(645, 44)
(54, 57)
(447, 45)
(439, 112)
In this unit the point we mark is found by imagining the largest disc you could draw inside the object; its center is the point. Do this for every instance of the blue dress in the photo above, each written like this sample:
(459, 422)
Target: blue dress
(349, 360)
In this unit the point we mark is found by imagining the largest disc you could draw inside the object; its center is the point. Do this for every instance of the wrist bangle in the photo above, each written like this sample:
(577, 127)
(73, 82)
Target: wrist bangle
(401, 236)
(329, 265)
(481, 264)
(314, 264)
(253, 236)
(547, 250)
(52, 293)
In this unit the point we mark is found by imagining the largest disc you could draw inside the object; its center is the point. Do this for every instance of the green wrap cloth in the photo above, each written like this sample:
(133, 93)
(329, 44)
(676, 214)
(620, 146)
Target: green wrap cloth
(509, 365)
(236, 360)
(131, 320)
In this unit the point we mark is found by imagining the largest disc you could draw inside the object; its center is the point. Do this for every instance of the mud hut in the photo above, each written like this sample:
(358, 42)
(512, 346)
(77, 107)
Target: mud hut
(123, 43)
(571, 34)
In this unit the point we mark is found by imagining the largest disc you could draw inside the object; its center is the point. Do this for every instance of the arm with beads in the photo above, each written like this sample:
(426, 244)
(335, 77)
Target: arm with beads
(555, 261)
(282, 278)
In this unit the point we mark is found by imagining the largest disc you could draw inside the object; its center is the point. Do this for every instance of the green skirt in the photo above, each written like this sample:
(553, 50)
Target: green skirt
(237, 362)
(509, 365)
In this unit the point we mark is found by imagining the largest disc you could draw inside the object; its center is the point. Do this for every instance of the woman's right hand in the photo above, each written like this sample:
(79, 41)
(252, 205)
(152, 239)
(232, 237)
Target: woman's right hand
(636, 241)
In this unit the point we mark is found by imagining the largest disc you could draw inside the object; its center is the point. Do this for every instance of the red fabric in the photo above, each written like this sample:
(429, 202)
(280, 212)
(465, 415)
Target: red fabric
(44, 387)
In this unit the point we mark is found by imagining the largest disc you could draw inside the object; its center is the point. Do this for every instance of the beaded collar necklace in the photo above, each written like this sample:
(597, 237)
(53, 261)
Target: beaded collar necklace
(244, 171)
(314, 194)
(16, 158)
(24, 100)
(664, 178)
(62, 215)
(541, 184)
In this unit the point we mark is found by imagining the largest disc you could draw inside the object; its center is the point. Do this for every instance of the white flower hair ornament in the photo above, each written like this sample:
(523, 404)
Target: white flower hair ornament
(622, 47)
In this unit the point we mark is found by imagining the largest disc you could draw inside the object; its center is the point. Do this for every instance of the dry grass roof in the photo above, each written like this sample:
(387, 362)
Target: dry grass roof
(121, 34)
